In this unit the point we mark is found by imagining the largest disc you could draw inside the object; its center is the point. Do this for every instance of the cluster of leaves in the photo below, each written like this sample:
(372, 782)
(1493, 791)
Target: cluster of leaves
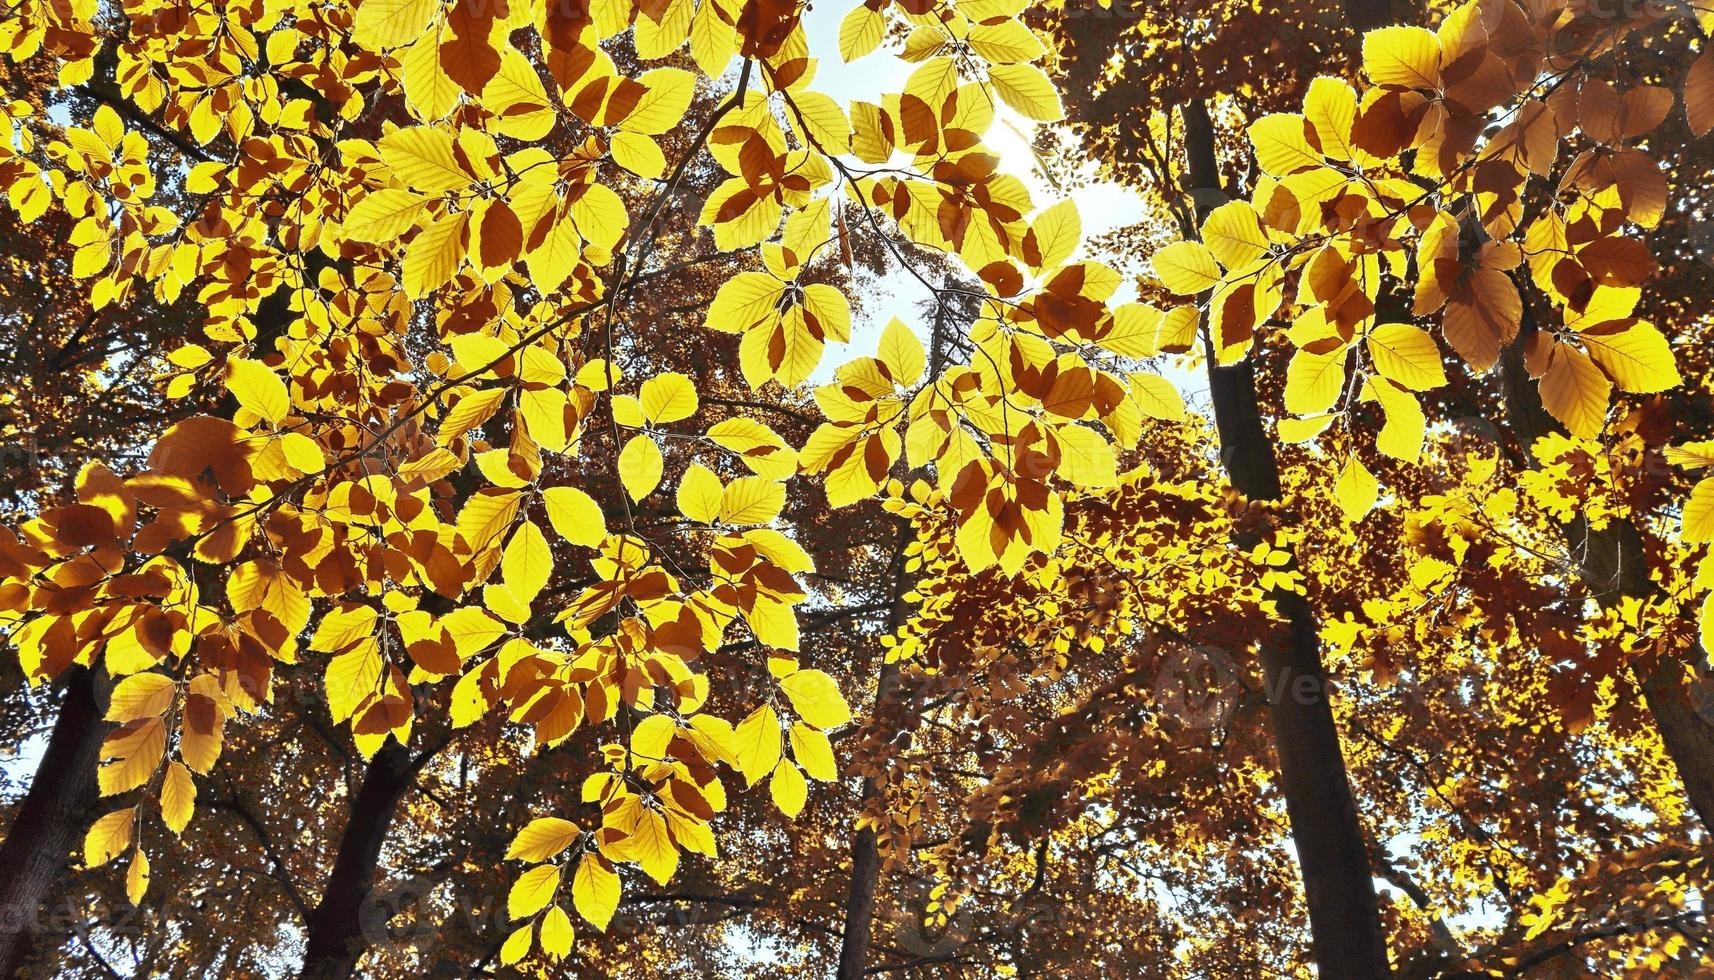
(435, 456)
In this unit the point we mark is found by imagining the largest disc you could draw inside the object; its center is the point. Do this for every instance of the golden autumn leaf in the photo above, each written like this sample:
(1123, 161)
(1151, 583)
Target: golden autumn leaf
(640, 466)
(1356, 490)
(258, 388)
(532, 892)
(1697, 524)
(575, 515)
(542, 839)
(1699, 94)
(557, 933)
(788, 789)
(108, 837)
(1575, 391)
(1407, 355)
(178, 798)
(815, 697)
(668, 398)
(699, 494)
(757, 744)
(595, 891)
(1402, 57)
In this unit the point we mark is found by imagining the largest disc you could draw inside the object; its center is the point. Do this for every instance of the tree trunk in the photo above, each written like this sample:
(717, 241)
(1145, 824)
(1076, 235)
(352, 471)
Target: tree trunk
(860, 900)
(1344, 916)
(865, 849)
(337, 937)
(50, 821)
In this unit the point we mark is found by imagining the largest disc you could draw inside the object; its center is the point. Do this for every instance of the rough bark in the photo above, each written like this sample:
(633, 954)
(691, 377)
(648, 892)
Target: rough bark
(336, 936)
(50, 821)
(1347, 938)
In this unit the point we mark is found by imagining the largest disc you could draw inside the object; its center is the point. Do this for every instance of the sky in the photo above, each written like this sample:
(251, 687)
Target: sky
(1104, 205)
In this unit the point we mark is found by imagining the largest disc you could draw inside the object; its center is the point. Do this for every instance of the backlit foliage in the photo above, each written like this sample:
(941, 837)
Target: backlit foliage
(499, 386)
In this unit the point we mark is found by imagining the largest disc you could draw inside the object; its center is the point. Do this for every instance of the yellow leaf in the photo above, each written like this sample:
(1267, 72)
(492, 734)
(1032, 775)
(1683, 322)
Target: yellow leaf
(1282, 146)
(758, 744)
(816, 699)
(517, 945)
(824, 122)
(473, 408)
(422, 156)
(542, 839)
(902, 353)
(751, 500)
(1186, 268)
(1356, 490)
(699, 494)
(575, 516)
(1233, 232)
(651, 736)
(1407, 355)
(1402, 57)
(595, 891)
(1699, 513)
(257, 388)
(1575, 391)
(1697, 454)
(381, 24)
(1406, 426)
(143, 695)
(517, 98)
(639, 154)
(1157, 397)
(640, 466)
(557, 933)
(178, 798)
(1331, 107)
(652, 848)
(1007, 41)
(788, 789)
(532, 892)
(527, 563)
(1302, 430)
(471, 630)
(1637, 357)
(628, 412)
(663, 104)
(1057, 230)
(429, 90)
(383, 215)
(137, 878)
(1313, 381)
(861, 32)
(1027, 89)
(130, 755)
(433, 257)
(352, 677)
(469, 702)
(813, 752)
(1086, 457)
(107, 837)
(668, 398)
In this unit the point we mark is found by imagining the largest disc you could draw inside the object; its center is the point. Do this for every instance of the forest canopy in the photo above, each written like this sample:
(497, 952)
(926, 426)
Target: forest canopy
(911, 488)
